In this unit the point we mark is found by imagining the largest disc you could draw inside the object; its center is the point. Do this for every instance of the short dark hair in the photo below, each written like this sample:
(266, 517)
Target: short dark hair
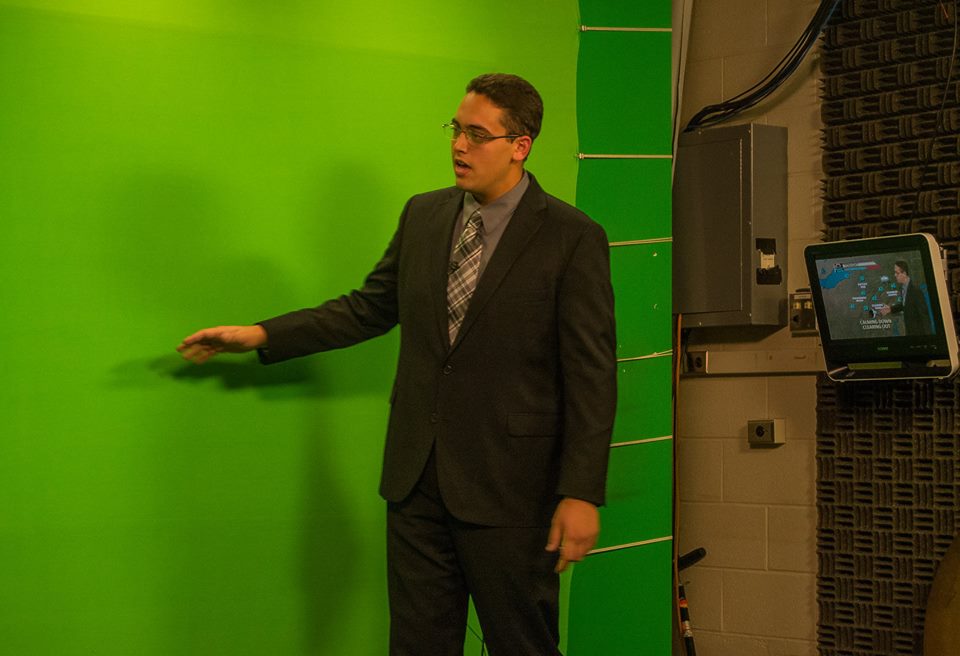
(903, 266)
(521, 104)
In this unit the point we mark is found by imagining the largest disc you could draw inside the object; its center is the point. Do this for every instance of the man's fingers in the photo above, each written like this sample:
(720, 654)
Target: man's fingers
(574, 551)
(202, 355)
(202, 345)
(570, 552)
(185, 348)
(198, 336)
(561, 565)
(196, 353)
(573, 531)
(553, 539)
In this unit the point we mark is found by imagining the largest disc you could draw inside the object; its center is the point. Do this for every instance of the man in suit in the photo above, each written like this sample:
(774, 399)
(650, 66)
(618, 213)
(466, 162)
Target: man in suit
(502, 407)
(912, 303)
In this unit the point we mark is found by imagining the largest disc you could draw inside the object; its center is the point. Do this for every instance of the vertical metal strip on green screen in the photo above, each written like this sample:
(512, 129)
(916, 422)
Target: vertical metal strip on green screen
(621, 595)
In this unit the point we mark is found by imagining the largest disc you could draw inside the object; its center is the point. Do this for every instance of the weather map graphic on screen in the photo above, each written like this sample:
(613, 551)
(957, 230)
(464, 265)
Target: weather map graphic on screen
(871, 296)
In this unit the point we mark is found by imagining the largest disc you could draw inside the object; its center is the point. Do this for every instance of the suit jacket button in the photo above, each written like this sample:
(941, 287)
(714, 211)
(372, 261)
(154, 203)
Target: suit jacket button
(448, 369)
(434, 417)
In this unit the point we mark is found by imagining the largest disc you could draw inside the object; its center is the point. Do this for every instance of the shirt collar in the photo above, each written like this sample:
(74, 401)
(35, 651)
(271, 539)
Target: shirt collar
(499, 210)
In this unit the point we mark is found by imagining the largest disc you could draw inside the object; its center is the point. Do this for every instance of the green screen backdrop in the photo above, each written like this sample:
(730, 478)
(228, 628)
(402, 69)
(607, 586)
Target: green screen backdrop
(621, 596)
(167, 165)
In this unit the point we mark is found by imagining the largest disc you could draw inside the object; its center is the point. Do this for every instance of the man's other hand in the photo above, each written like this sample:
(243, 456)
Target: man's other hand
(573, 531)
(204, 344)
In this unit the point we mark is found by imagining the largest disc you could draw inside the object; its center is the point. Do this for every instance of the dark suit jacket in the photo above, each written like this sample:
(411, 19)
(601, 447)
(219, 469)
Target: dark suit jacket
(520, 408)
(916, 311)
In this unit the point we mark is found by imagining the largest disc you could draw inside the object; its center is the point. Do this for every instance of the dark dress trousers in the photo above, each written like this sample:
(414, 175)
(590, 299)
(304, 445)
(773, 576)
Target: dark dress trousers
(520, 408)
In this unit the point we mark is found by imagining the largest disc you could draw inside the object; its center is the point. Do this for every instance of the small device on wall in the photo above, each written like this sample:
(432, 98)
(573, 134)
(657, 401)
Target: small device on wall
(883, 308)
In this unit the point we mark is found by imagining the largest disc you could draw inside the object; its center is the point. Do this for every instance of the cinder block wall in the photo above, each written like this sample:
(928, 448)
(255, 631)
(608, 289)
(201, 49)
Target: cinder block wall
(754, 510)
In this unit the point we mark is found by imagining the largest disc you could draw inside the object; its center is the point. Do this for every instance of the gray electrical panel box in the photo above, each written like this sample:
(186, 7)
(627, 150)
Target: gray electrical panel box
(730, 227)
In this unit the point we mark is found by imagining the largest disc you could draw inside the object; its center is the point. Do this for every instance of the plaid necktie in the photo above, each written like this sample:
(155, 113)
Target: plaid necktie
(464, 270)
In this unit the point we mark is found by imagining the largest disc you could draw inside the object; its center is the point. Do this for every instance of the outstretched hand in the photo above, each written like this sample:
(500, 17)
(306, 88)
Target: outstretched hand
(204, 344)
(573, 531)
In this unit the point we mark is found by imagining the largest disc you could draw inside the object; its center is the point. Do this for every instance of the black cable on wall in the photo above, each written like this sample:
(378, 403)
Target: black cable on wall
(728, 109)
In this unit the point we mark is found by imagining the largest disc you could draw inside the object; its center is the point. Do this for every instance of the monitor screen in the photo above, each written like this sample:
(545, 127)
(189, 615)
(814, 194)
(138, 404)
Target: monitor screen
(882, 308)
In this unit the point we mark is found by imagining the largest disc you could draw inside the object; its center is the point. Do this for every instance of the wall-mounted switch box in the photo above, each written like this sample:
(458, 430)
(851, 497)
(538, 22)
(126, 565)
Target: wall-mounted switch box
(803, 318)
(730, 227)
(766, 432)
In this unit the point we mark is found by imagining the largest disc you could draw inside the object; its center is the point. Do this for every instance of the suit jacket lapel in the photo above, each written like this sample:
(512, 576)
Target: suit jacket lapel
(523, 225)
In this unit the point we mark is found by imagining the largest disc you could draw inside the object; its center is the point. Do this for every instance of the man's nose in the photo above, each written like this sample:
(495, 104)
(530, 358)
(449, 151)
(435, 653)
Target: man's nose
(461, 143)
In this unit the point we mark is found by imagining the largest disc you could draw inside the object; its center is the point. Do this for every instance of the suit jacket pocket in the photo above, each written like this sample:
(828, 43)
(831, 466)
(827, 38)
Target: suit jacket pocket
(524, 295)
(533, 424)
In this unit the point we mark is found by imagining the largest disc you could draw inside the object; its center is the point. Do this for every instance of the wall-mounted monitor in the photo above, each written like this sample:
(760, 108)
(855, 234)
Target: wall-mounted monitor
(883, 308)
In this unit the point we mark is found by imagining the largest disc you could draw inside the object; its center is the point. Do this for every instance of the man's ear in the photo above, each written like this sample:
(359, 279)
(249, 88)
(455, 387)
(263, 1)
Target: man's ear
(521, 148)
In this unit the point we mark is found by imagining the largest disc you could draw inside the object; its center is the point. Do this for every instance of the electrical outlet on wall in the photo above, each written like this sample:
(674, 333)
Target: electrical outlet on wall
(697, 362)
(766, 432)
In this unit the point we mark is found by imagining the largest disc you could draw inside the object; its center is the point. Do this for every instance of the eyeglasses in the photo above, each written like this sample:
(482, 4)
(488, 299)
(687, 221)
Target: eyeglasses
(474, 136)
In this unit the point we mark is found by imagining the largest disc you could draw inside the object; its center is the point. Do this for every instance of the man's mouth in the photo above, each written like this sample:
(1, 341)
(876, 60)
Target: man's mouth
(460, 167)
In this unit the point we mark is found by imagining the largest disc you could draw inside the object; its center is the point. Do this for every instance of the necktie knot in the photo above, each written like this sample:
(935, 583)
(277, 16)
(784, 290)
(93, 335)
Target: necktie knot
(471, 229)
